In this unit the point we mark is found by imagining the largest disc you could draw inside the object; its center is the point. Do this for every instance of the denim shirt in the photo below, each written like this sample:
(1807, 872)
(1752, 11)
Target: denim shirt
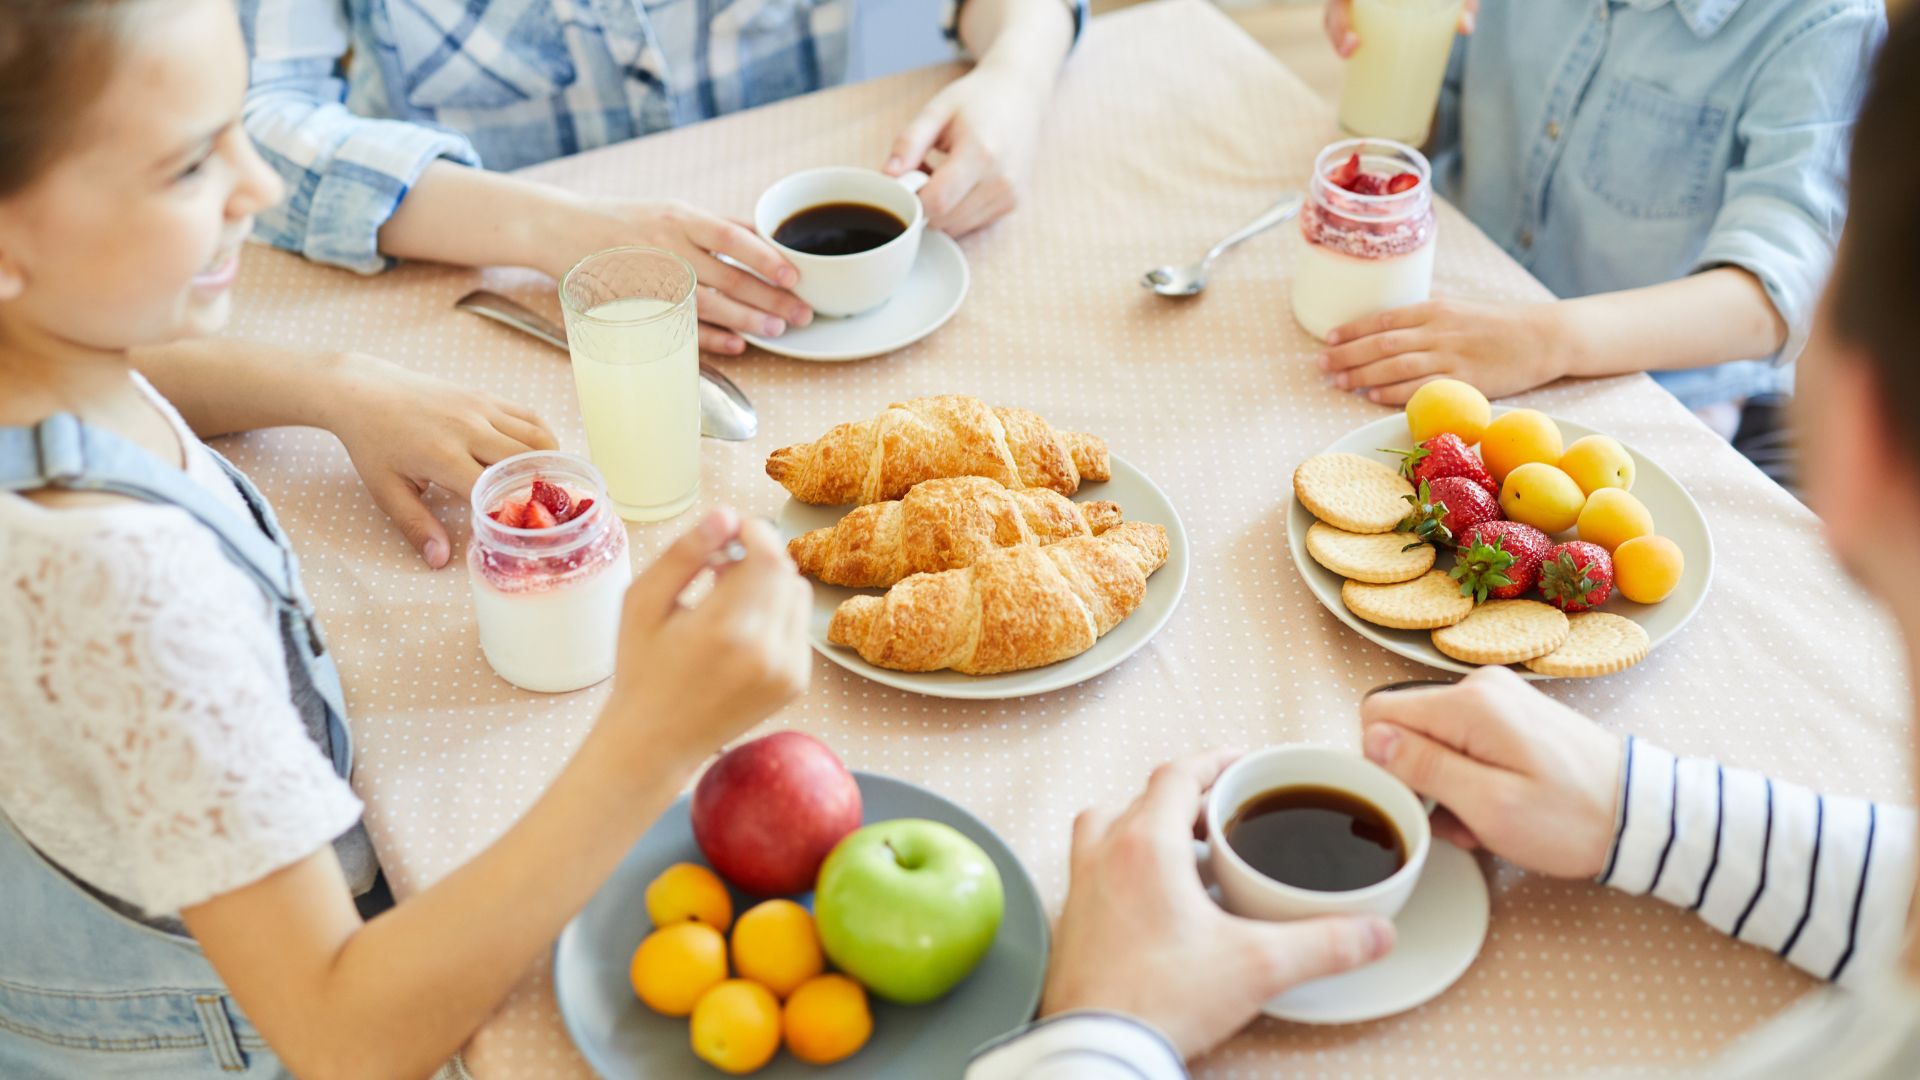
(1611, 144)
(351, 100)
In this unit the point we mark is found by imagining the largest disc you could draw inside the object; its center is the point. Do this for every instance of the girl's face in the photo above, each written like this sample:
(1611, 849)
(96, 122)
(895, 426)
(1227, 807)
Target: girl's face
(131, 234)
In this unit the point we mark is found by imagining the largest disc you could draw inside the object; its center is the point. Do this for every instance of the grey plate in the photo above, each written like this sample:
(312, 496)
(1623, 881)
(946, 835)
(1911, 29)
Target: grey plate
(1140, 500)
(622, 1038)
(1675, 516)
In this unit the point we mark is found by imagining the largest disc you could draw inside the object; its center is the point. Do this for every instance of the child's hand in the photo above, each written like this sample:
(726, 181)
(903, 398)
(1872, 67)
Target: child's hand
(1500, 348)
(1339, 23)
(406, 431)
(689, 678)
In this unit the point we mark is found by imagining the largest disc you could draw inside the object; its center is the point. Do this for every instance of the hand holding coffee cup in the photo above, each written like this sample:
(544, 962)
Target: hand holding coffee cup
(853, 234)
(1139, 935)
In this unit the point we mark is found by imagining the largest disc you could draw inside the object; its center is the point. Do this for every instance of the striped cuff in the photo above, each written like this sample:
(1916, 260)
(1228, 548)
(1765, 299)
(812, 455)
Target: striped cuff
(1823, 881)
(1080, 1045)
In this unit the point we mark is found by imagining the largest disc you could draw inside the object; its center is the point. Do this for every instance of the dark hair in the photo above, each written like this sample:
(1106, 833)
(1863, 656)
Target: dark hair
(53, 62)
(1876, 282)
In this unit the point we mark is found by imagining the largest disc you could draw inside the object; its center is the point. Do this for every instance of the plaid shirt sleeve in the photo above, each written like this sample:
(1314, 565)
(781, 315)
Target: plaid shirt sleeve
(345, 174)
(950, 18)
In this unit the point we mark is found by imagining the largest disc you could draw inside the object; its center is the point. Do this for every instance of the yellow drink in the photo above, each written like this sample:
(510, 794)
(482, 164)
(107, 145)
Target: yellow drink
(636, 365)
(1393, 78)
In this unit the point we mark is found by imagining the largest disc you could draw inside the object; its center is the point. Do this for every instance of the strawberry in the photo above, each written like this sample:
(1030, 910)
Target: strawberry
(1405, 181)
(537, 516)
(509, 513)
(1499, 559)
(1343, 173)
(1444, 455)
(1368, 184)
(1446, 508)
(554, 498)
(1576, 576)
(580, 507)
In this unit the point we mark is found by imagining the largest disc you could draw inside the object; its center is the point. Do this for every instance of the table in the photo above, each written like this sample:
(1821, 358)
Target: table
(1786, 668)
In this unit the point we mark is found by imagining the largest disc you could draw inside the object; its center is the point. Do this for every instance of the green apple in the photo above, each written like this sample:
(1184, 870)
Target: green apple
(907, 907)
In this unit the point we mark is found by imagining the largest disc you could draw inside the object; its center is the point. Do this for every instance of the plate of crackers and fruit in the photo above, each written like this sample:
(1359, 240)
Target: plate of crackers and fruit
(1460, 535)
(960, 550)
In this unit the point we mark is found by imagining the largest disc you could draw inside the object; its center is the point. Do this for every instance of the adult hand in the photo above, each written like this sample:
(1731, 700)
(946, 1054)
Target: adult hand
(1515, 771)
(1500, 348)
(1338, 20)
(1140, 936)
(987, 123)
(731, 301)
(688, 679)
(406, 431)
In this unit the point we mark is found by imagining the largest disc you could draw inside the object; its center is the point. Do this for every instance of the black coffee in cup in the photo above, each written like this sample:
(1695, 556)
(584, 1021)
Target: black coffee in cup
(841, 228)
(1319, 838)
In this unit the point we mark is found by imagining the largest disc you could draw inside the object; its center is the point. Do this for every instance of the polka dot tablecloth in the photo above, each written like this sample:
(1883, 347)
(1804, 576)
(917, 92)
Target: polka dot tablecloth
(1170, 129)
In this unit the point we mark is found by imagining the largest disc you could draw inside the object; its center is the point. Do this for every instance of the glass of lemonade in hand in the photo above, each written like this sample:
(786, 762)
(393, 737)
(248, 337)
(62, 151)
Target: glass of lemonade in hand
(1393, 78)
(636, 364)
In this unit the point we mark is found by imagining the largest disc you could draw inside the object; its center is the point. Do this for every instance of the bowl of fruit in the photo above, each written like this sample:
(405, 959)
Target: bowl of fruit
(1461, 535)
(794, 918)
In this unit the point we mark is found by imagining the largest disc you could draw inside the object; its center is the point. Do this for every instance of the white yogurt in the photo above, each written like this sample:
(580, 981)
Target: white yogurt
(1332, 288)
(554, 639)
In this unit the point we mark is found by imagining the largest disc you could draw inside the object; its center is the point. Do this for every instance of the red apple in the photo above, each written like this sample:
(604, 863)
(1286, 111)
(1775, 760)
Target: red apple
(767, 813)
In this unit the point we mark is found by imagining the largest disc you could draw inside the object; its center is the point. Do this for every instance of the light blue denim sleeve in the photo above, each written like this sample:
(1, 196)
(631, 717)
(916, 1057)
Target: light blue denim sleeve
(1786, 198)
(345, 174)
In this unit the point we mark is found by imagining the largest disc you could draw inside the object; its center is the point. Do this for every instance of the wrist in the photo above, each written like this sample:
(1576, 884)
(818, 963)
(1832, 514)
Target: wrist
(1033, 45)
(1564, 350)
(557, 229)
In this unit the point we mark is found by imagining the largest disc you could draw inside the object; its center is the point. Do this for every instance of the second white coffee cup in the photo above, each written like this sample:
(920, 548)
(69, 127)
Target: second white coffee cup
(842, 285)
(1246, 891)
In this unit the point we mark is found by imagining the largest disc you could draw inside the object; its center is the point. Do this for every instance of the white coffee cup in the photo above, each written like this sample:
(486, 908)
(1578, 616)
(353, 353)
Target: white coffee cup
(841, 285)
(1246, 891)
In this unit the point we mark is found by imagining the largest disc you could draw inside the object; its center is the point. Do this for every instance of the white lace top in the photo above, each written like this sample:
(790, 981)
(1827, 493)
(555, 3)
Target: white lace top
(148, 743)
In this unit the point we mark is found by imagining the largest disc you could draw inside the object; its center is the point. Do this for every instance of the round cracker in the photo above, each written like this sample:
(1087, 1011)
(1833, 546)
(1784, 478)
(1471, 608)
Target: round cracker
(1598, 643)
(1430, 600)
(1504, 632)
(1350, 492)
(1376, 558)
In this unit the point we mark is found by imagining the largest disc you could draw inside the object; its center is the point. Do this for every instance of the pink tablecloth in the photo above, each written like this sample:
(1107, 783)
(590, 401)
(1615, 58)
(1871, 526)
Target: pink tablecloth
(1170, 129)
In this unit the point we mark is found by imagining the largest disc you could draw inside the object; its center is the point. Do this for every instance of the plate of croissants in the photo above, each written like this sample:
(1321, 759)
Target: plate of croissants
(960, 550)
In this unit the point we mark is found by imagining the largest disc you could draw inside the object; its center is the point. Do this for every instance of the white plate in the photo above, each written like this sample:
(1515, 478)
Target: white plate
(924, 302)
(1139, 499)
(1438, 934)
(1675, 516)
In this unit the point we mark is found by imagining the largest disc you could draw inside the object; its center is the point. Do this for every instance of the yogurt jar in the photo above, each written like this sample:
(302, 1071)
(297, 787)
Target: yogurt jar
(548, 562)
(1366, 234)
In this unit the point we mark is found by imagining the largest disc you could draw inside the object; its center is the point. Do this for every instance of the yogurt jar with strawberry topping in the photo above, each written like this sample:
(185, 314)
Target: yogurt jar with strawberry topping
(548, 562)
(1366, 234)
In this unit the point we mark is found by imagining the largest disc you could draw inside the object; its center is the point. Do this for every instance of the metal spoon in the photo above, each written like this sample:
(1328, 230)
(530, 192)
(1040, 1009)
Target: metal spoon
(1189, 280)
(725, 412)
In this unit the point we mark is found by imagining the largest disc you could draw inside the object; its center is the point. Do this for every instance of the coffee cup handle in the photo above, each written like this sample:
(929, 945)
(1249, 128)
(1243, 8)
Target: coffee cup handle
(913, 180)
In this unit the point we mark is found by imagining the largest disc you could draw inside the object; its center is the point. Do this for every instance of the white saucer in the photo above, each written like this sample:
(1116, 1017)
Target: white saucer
(928, 298)
(1440, 932)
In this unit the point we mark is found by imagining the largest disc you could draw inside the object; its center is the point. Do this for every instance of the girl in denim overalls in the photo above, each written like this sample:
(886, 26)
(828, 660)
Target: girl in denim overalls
(180, 851)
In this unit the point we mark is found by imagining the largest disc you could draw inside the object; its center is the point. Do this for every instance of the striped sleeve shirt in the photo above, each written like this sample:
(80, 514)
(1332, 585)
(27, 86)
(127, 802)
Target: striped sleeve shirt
(1822, 880)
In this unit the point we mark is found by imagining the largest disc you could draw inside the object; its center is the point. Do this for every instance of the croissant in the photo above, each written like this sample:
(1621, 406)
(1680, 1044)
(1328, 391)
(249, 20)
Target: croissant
(942, 525)
(926, 438)
(1015, 608)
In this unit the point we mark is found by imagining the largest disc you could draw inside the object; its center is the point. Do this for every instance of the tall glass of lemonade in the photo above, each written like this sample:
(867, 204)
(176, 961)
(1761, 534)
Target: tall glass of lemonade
(1393, 78)
(636, 364)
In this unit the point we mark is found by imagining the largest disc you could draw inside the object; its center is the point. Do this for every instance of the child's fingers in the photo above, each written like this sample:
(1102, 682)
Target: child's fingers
(1339, 23)
(399, 498)
(1398, 393)
(530, 434)
(1360, 351)
(1399, 368)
